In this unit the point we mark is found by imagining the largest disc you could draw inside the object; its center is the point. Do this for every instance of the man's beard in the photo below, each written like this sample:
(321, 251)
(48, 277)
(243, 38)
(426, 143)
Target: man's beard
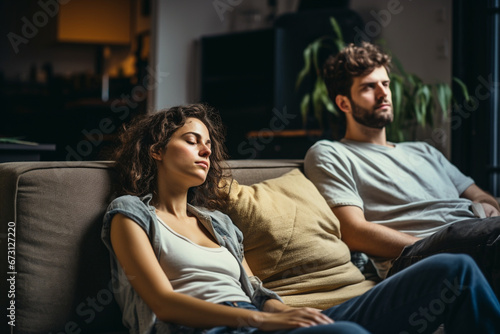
(370, 118)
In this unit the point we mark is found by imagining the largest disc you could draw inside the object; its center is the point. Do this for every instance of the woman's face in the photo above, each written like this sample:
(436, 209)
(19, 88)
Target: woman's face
(186, 157)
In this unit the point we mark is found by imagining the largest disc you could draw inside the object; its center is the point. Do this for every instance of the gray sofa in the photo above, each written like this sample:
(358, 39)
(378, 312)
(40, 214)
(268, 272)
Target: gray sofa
(55, 275)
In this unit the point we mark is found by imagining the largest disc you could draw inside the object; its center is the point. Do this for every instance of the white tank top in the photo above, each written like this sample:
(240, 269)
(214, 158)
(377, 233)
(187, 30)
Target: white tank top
(210, 274)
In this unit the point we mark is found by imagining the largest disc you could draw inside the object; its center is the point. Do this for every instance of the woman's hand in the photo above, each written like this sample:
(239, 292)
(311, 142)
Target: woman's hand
(291, 318)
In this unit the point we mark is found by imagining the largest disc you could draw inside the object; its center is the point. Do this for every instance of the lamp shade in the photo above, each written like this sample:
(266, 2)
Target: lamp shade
(95, 22)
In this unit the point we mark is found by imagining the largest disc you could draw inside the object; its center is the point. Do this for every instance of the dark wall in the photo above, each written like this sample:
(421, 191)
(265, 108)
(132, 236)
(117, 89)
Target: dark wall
(475, 126)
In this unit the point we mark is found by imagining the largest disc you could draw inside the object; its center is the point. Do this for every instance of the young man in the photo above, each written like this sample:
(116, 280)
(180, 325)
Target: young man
(394, 197)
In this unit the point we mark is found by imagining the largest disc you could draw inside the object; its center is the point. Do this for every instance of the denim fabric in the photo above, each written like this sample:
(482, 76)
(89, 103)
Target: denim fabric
(229, 330)
(479, 238)
(341, 327)
(444, 289)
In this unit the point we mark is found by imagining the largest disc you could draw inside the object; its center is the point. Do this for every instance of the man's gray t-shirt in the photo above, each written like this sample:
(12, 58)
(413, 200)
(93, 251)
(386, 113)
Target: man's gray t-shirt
(410, 187)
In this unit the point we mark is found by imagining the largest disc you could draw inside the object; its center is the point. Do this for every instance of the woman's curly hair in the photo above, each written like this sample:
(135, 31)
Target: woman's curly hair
(352, 61)
(151, 133)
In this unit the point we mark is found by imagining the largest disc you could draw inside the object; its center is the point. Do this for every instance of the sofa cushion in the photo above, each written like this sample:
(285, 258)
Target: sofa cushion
(62, 276)
(292, 241)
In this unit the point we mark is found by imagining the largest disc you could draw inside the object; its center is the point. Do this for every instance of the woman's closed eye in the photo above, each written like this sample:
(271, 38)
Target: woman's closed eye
(191, 139)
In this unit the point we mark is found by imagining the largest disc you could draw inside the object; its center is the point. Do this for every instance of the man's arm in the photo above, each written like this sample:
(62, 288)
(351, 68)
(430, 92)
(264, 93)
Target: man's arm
(476, 194)
(367, 237)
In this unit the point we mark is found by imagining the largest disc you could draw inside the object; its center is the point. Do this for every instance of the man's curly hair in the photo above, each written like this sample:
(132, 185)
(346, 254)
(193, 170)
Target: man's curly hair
(352, 61)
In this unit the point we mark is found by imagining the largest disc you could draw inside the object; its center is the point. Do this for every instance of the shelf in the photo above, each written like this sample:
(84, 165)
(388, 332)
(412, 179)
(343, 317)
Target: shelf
(20, 152)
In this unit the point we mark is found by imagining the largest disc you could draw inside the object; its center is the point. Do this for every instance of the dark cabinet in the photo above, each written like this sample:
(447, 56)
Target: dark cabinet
(250, 78)
(237, 78)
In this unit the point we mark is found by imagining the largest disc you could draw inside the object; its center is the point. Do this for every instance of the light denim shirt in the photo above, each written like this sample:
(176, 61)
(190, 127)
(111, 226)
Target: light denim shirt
(137, 316)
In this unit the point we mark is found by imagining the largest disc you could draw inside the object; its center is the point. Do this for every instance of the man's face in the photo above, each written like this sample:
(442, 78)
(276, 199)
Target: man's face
(371, 100)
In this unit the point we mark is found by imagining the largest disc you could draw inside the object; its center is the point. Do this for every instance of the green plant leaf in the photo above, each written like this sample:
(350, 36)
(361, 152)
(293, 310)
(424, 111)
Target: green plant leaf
(304, 108)
(417, 105)
(395, 76)
(444, 95)
(317, 101)
(464, 89)
(316, 46)
(330, 106)
(325, 98)
(421, 103)
(322, 44)
(311, 56)
(399, 66)
(397, 95)
(339, 41)
(307, 66)
(431, 110)
(415, 81)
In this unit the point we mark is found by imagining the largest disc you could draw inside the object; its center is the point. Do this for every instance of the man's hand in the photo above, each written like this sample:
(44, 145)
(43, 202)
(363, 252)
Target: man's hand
(490, 210)
(476, 194)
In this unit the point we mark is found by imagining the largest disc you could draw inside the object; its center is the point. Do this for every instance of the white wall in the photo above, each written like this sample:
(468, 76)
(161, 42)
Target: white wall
(179, 25)
(419, 34)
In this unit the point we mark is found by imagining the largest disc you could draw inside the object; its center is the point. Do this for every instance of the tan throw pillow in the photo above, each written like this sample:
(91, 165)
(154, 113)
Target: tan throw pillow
(292, 241)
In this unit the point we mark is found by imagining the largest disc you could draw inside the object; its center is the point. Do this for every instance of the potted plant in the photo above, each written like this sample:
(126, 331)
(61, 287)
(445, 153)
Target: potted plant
(415, 103)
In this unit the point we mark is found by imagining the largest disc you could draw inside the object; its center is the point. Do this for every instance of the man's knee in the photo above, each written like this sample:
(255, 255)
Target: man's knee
(453, 264)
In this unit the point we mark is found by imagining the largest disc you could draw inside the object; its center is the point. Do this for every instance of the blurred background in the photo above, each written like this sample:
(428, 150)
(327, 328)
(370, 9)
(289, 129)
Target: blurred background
(72, 72)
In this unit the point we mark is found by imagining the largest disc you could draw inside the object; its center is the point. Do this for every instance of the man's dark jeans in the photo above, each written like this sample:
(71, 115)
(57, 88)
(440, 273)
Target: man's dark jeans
(479, 238)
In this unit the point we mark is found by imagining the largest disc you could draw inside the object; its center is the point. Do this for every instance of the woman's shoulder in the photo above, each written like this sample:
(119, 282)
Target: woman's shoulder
(133, 207)
(127, 201)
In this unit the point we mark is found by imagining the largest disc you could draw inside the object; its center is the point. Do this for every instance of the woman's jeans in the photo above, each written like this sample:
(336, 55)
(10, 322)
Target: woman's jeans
(338, 327)
(477, 237)
(444, 289)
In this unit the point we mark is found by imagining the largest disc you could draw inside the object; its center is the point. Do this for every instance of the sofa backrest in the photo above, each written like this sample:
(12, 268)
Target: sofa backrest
(55, 270)
(62, 269)
(252, 171)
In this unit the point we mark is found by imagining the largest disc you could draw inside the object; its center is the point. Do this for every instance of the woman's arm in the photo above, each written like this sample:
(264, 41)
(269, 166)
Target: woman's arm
(271, 305)
(276, 306)
(136, 256)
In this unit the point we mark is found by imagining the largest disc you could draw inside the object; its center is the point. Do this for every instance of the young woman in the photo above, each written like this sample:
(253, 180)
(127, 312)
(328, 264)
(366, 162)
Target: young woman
(178, 262)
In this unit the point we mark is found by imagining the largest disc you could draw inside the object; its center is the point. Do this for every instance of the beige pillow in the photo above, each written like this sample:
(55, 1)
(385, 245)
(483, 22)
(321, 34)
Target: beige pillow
(292, 241)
